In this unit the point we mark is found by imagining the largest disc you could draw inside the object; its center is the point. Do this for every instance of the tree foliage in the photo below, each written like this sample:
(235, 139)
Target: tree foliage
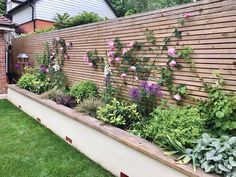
(2, 7)
(128, 7)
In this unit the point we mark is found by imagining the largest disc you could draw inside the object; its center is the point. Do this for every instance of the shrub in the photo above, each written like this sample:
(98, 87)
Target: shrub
(45, 30)
(84, 90)
(84, 18)
(118, 113)
(179, 124)
(60, 97)
(216, 155)
(220, 110)
(65, 21)
(89, 106)
(34, 83)
(67, 101)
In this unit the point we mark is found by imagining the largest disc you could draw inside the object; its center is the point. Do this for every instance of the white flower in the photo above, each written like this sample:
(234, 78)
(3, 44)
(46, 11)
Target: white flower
(56, 67)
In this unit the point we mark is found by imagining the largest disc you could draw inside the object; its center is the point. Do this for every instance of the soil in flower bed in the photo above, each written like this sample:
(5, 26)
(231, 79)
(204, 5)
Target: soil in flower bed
(27, 149)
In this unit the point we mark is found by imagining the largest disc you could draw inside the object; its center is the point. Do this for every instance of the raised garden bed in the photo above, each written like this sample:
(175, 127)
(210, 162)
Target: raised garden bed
(121, 153)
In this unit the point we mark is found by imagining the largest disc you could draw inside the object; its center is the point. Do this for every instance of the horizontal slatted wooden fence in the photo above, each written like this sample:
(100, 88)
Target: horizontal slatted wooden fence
(211, 32)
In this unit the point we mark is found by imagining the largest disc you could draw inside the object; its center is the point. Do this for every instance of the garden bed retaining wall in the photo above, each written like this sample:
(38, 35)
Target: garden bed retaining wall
(114, 149)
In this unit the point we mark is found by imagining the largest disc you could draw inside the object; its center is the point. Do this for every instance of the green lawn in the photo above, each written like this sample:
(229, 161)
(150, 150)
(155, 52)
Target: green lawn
(27, 149)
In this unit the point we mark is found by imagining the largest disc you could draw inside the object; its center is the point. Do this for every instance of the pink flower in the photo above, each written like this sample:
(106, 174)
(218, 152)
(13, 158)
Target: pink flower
(172, 52)
(118, 59)
(90, 64)
(110, 54)
(177, 97)
(68, 44)
(173, 63)
(133, 68)
(85, 58)
(110, 60)
(124, 51)
(66, 56)
(111, 44)
(131, 44)
(124, 75)
(61, 48)
(187, 15)
(57, 38)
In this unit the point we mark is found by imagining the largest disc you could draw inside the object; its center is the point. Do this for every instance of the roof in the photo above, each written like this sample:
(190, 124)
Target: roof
(24, 3)
(18, 1)
(5, 21)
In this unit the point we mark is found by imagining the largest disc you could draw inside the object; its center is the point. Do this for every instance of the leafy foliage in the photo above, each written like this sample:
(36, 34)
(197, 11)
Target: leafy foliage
(61, 20)
(180, 124)
(219, 107)
(89, 106)
(84, 18)
(220, 110)
(34, 83)
(65, 21)
(118, 113)
(2, 7)
(129, 7)
(216, 155)
(45, 30)
(83, 90)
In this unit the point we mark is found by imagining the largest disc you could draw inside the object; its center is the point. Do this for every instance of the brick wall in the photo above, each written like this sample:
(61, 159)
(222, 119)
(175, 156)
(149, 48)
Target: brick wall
(3, 78)
(39, 24)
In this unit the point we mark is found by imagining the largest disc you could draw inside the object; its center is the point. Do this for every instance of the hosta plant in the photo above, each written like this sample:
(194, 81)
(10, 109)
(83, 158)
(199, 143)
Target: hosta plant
(216, 155)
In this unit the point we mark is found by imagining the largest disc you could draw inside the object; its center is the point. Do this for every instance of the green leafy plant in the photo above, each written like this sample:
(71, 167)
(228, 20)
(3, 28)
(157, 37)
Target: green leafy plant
(118, 113)
(216, 155)
(219, 108)
(45, 30)
(83, 90)
(93, 59)
(44, 58)
(89, 106)
(184, 125)
(185, 54)
(61, 20)
(65, 20)
(83, 18)
(34, 83)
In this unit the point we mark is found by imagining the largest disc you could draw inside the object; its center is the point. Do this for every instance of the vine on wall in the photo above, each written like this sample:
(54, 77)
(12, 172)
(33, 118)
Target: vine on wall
(127, 60)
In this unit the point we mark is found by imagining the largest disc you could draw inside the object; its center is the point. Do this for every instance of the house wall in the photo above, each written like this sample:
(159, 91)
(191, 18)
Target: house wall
(11, 5)
(22, 15)
(210, 32)
(3, 78)
(39, 24)
(47, 11)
